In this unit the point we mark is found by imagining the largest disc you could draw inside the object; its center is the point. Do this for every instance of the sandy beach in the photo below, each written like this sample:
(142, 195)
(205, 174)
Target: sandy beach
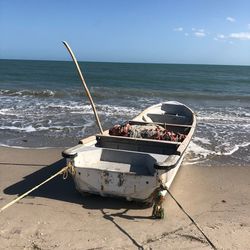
(57, 217)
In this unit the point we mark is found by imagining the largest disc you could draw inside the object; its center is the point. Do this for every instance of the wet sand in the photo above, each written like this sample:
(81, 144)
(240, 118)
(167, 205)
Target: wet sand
(57, 217)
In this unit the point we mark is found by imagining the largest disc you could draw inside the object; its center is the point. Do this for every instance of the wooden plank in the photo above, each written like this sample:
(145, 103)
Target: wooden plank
(131, 139)
(161, 124)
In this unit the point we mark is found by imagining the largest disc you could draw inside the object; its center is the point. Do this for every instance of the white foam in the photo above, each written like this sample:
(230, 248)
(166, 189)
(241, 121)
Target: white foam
(201, 153)
(27, 129)
(199, 150)
(4, 111)
(20, 147)
(222, 117)
(233, 149)
(30, 128)
(86, 125)
(202, 140)
(110, 110)
(71, 106)
(49, 92)
(192, 162)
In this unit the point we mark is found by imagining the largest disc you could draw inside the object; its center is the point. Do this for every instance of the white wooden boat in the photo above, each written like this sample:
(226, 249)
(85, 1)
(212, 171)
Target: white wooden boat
(133, 168)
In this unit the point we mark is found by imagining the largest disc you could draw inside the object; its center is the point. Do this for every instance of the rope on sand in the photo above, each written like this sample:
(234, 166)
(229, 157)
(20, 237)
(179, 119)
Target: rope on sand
(64, 171)
(183, 210)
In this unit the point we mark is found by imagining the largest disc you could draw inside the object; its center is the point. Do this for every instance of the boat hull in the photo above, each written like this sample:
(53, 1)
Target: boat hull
(133, 168)
(124, 185)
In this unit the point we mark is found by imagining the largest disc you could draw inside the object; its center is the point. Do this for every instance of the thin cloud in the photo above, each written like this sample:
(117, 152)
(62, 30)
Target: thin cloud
(221, 36)
(199, 34)
(236, 36)
(230, 19)
(198, 30)
(240, 35)
(178, 29)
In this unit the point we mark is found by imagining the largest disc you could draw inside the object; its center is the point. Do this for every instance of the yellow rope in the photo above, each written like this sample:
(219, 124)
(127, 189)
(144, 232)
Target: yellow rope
(70, 169)
(64, 171)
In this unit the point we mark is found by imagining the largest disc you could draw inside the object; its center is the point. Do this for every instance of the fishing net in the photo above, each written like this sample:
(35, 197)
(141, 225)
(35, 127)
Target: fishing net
(151, 131)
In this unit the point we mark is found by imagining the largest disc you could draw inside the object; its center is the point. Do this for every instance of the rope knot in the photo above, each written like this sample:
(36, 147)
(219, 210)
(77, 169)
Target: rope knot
(69, 169)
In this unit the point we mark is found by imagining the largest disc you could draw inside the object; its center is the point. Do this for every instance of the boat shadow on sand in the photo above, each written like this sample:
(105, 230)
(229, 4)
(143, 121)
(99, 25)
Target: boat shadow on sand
(64, 190)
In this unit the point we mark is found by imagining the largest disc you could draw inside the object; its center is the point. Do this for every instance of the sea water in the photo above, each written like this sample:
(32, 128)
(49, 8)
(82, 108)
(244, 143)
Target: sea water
(43, 104)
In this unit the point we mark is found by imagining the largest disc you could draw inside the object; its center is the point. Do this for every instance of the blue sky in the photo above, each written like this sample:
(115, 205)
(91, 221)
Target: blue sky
(158, 31)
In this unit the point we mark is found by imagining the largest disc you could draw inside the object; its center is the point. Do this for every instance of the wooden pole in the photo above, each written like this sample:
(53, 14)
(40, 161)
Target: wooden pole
(84, 85)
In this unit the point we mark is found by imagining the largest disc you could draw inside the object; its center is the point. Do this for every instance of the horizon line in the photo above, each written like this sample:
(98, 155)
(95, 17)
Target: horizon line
(119, 62)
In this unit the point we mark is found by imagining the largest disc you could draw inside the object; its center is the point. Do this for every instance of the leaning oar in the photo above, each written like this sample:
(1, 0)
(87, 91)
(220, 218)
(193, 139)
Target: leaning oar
(84, 85)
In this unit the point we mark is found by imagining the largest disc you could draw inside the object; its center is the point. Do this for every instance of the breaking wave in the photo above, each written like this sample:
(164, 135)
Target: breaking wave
(24, 92)
(102, 93)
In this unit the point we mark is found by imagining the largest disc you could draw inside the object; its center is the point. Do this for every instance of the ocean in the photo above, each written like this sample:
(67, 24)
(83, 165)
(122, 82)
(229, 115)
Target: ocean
(43, 104)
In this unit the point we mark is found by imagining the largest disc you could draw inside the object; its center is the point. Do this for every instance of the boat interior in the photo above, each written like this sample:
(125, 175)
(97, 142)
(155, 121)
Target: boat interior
(171, 113)
(177, 119)
(138, 156)
(122, 161)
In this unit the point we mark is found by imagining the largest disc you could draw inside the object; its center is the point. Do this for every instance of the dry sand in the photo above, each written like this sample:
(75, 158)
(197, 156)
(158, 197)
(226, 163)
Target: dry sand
(57, 217)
